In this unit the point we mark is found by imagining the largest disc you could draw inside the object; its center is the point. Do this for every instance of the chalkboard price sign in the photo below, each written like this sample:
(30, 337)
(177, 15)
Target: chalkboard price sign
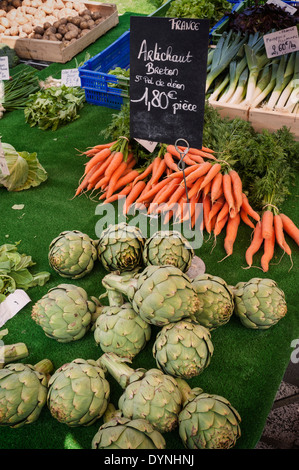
(168, 64)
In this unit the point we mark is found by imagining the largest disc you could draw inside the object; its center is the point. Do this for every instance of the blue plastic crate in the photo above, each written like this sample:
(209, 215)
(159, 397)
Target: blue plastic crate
(101, 88)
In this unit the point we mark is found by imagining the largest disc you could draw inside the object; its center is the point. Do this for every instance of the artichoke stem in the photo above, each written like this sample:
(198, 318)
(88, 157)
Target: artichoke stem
(115, 298)
(125, 285)
(44, 366)
(116, 367)
(13, 352)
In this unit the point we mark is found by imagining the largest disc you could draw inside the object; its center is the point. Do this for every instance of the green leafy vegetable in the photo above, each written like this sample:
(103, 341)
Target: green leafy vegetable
(53, 107)
(15, 271)
(25, 171)
(213, 11)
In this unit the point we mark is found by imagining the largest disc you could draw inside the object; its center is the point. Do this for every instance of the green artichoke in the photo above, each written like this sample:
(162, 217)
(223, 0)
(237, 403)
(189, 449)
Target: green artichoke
(259, 303)
(65, 313)
(121, 330)
(78, 393)
(159, 294)
(23, 392)
(183, 349)
(207, 421)
(216, 301)
(12, 353)
(148, 394)
(72, 254)
(120, 247)
(168, 247)
(119, 432)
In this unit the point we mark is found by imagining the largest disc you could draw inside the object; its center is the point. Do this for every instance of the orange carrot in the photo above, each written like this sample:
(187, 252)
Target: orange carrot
(115, 177)
(269, 245)
(227, 191)
(101, 168)
(267, 224)
(224, 212)
(84, 183)
(199, 171)
(114, 164)
(290, 228)
(246, 219)
(231, 233)
(195, 187)
(144, 174)
(126, 179)
(216, 207)
(206, 211)
(255, 244)
(133, 195)
(170, 162)
(124, 192)
(176, 195)
(165, 192)
(219, 225)
(207, 189)
(279, 235)
(98, 157)
(149, 194)
(158, 172)
(188, 171)
(201, 153)
(213, 171)
(215, 187)
(237, 188)
(247, 208)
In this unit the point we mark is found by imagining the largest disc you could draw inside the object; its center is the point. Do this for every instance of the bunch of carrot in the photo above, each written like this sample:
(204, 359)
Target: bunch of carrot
(269, 231)
(110, 168)
(163, 187)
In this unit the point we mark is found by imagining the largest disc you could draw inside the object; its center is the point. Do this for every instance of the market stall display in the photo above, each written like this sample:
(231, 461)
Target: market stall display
(231, 364)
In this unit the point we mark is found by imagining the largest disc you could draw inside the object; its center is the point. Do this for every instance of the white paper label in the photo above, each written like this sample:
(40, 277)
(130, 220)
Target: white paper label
(284, 5)
(3, 164)
(281, 42)
(12, 305)
(70, 77)
(150, 146)
(4, 68)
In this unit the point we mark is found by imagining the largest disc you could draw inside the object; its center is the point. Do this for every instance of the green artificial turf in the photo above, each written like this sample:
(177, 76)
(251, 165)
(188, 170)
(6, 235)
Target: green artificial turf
(247, 366)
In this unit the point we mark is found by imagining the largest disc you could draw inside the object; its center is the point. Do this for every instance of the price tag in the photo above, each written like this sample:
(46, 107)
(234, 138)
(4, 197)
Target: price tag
(283, 5)
(281, 42)
(12, 305)
(150, 146)
(4, 68)
(3, 164)
(70, 77)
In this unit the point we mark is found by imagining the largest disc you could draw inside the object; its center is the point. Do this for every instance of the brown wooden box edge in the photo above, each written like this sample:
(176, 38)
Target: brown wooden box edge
(53, 51)
(259, 118)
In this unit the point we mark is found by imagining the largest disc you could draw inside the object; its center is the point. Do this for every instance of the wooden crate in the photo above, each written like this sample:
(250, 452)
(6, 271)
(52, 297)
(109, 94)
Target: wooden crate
(53, 51)
(259, 118)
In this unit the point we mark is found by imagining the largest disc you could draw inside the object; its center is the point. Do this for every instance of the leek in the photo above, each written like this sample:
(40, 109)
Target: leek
(291, 86)
(284, 75)
(255, 62)
(224, 53)
(267, 89)
(241, 88)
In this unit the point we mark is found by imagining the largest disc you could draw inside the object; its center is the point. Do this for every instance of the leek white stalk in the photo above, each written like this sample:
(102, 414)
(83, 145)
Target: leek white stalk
(241, 88)
(284, 75)
(271, 84)
(256, 62)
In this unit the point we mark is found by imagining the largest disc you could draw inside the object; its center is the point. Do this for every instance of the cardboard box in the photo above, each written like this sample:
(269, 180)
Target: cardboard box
(54, 51)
